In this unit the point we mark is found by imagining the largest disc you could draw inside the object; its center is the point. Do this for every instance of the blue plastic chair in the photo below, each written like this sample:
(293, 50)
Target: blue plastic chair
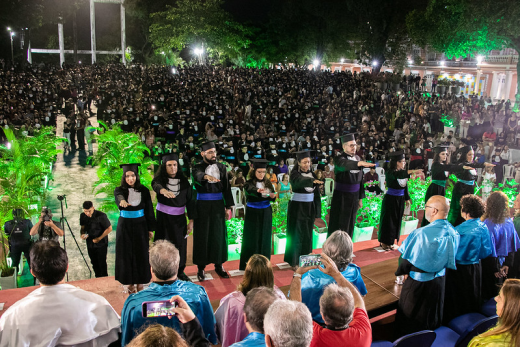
(461, 323)
(477, 329)
(423, 338)
(489, 309)
(382, 344)
(445, 337)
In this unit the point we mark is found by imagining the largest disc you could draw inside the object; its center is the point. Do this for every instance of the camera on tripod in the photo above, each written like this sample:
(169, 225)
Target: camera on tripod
(61, 197)
(46, 214)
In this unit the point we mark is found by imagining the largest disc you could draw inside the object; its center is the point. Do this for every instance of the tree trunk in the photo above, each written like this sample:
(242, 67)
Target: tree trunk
(26, 42)
(75, 35)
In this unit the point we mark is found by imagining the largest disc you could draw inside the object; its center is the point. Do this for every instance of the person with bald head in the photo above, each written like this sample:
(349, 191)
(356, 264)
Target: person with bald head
(425, 255)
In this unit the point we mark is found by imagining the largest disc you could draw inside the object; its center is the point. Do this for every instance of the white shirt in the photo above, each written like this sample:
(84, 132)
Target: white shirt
(60, 315)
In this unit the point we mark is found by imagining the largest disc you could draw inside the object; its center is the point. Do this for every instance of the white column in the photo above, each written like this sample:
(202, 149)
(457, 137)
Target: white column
(494, 86)
(62, 44)
(507, 86)
(123, 31)
(477, 81)
(93, 30)
(29, 55)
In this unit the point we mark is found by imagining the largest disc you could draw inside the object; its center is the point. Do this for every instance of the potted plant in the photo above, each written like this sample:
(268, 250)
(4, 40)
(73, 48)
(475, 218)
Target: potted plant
(7, 272)
(449, 123)
(367, 217)
(442, 84)
(319, 235)
(417, 191)
(456, 86)
(280, 224)
(395, 81)
(235, 231)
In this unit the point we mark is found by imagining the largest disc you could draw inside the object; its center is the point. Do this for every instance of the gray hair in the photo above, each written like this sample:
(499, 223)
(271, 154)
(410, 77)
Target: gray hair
(339, 248)
(288, 324)
(164, 259)
(258, 301)
(337, 306)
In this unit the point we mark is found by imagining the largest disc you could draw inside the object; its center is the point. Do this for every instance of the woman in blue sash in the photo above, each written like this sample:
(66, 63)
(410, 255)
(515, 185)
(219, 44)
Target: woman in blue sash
(304, 208)
(465, 183)
(258, 222)
(394, 201)
(135, 227)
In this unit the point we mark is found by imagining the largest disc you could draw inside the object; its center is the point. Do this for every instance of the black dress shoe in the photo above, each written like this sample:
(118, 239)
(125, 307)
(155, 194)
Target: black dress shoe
(184, 277)
(221, 272)
(201, 275)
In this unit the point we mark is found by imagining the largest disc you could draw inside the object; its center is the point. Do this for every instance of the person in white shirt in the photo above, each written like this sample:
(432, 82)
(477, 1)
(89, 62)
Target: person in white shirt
(58, 314)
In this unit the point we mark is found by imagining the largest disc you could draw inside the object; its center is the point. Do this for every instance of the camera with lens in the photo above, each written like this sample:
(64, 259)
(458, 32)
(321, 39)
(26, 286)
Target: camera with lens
(46, 214)
(61, 197)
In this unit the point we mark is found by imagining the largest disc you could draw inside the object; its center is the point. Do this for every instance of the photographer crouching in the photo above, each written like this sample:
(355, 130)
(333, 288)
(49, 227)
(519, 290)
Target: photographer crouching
(46, 228)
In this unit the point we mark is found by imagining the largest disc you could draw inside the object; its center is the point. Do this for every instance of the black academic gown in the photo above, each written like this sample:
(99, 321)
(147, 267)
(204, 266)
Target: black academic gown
(344, 205)
(209, 225)
(132, 266)
(392, 209)
(301, 216)
(462, 189)
(258, 226)
(174, 227)
(440, 172)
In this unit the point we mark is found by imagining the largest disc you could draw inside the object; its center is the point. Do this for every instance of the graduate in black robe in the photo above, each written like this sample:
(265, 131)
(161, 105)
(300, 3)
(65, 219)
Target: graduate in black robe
(394, 201)
(135, 227)
(465, 184)
(174, 198)
(213, 207)
(258, 221)
(441, 170)
(348, 189)
(304, 208)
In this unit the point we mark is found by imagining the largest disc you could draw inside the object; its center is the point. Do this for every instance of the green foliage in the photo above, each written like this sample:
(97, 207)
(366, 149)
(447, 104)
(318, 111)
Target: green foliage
(447, 120)
(116, 147)
(280, 214)
(511, 189)
(235, 231)
(23, 167)
(368, 215)
(417, 190)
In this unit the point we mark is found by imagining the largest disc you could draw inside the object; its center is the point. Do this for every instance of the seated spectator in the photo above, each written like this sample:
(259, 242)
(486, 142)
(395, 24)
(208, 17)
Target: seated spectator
(231, 326)
(157, 335)
(57, 314)
(342, 307)
(339, 248)
(164, 262)
(258, 301)
(506, 332)
(288, 324)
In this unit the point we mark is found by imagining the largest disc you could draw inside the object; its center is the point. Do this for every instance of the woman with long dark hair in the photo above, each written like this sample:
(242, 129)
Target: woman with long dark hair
(504, 239)
(441, 170)
(465, 182)
(135, 227)
(174, 198)
(258, 221)
(394, 201)
(304, 208)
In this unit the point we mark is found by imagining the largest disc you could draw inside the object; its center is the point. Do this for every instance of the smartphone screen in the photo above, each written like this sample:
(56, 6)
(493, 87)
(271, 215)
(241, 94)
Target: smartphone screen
(310, 260)
(161, 308)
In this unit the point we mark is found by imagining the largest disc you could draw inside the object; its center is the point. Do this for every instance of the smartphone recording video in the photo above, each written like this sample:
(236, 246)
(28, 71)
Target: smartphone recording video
(161, 308)
(310, 260)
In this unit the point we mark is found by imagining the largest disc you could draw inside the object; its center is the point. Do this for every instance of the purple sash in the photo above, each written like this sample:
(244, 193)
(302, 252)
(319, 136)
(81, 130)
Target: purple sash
(171, 210)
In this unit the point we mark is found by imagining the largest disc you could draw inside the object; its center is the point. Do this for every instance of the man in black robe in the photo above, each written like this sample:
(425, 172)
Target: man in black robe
(174, 198)
(348, 188)
(214, 203)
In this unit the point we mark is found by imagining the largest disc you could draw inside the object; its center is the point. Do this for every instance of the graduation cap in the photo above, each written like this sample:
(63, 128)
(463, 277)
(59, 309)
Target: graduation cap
(207, 145)
(130, 167)
(348, 138)
(440, 149)
(302, 155)
(259, 163)
(397, 156)
(170, 156)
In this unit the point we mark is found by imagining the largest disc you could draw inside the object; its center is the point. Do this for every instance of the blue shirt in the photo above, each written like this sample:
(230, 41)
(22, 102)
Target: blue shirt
(194, 295)
(254, 339)
(432, 249)
(475, 242)
(504, 238)
(315, 281)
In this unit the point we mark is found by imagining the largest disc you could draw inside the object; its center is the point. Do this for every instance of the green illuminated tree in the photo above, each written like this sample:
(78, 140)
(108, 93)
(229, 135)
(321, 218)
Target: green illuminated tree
(199, 23)
(461, 28)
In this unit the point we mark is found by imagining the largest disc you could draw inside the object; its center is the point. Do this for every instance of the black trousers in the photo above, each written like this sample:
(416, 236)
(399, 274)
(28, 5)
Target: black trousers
(98, 258)
(81, 139)
(16, 253)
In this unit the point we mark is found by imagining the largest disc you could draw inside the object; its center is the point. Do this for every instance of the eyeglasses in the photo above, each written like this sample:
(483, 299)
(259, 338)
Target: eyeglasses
(425, 207)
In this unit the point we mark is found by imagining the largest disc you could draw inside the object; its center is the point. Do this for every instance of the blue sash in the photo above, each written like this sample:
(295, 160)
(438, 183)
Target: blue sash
(395, 192)
(230, 158)
(131, 214)
(469, 183)
(426, 276)
(259, 204)
(302, 197)
(209, 196)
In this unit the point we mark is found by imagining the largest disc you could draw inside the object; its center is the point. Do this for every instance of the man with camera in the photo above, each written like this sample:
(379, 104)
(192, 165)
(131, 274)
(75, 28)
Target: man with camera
(18, 229)
(95, 228)
(46, 228)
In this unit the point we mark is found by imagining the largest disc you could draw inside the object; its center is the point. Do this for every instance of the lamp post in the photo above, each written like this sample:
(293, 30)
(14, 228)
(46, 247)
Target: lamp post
(198, 52)
(11, 34)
